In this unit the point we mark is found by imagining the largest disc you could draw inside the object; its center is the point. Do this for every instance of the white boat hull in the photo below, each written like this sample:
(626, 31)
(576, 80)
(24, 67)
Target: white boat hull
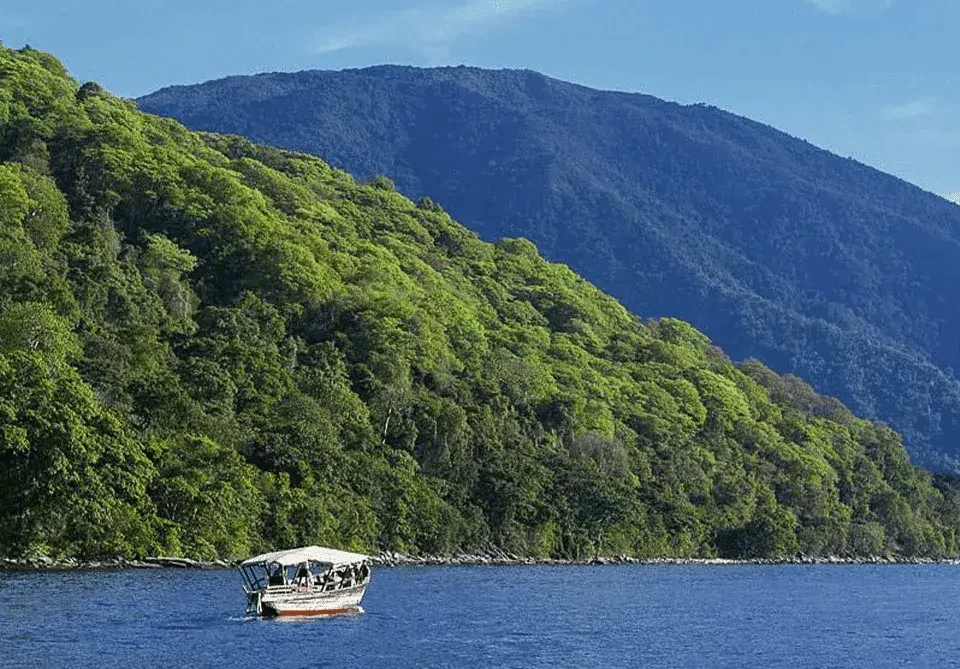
(312, 602)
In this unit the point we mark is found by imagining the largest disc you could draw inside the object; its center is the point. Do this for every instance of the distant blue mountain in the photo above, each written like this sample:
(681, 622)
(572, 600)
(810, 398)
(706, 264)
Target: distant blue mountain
(815, 264)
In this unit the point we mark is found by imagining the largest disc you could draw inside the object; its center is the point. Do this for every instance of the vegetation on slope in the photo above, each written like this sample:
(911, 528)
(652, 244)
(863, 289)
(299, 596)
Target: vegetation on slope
(209, 347)
(816, 265)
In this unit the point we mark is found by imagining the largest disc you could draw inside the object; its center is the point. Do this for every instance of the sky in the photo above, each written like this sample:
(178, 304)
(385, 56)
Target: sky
(876, 80)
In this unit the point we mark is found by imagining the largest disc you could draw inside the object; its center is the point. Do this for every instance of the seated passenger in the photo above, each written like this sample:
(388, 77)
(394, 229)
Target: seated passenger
(276, 576)
(330, 580)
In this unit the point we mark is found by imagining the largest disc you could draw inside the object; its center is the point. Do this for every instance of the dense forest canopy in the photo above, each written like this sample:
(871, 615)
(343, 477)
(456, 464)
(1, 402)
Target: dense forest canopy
(209, 348)
(812, 263)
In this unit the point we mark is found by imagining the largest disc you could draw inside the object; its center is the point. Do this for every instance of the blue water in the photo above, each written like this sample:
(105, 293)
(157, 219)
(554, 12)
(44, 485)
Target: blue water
(524, 617)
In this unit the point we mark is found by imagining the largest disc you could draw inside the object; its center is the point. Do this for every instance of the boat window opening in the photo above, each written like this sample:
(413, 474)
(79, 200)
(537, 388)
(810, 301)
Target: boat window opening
(257, 576)
(302, 577)
(277, 575)
(318, 574)
(260, 575)
(332, 580)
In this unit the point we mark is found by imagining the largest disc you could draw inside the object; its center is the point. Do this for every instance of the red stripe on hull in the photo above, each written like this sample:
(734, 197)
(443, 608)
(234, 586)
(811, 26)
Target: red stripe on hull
(318, 612)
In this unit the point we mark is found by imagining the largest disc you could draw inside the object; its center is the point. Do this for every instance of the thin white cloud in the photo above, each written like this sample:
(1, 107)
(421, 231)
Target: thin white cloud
(431, 29)
(839, 7)
(937, 137)
(953, 197)
(912, 109)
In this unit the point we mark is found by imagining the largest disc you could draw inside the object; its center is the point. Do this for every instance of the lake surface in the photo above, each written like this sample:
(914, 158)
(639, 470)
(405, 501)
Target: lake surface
(479, 617)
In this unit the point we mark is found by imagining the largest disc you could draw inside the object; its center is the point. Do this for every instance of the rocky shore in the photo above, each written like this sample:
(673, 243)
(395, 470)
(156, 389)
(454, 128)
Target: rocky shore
(46, 563)
(500, 558)
(492, 557)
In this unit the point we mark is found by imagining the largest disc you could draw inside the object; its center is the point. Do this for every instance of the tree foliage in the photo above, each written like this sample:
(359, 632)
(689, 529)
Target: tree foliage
(209, 347)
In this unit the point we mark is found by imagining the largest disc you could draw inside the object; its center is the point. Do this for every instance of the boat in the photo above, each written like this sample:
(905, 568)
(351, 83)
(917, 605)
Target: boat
(308, 581)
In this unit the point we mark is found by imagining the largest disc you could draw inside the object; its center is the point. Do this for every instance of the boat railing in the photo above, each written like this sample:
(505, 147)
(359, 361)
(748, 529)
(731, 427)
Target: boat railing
(280, 589)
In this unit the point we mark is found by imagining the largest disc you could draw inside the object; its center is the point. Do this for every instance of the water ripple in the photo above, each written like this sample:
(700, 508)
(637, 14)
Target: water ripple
(471, 618)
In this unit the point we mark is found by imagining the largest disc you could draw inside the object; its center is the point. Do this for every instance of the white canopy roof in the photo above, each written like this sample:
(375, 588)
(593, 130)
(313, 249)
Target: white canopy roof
(297, 556)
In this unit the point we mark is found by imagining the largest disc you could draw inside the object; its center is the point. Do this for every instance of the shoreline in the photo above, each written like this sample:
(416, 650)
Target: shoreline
(492, 558)
(506, 560)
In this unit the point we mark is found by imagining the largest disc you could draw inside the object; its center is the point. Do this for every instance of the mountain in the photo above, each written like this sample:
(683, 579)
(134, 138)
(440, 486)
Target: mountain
(817, 265)
(211, 348)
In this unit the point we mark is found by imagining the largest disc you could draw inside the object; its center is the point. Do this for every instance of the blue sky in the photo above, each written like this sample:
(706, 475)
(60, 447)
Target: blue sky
(878, 80)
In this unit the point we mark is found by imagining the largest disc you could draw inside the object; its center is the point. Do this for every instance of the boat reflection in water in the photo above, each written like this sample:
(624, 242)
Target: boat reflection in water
(310, 581)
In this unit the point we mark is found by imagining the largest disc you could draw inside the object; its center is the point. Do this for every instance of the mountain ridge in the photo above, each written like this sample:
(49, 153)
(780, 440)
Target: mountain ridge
(166, 91)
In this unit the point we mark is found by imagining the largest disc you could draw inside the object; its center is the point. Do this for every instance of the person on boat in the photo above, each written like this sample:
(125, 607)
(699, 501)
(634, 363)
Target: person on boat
(326, 580)
(303, 576)
(276, 576)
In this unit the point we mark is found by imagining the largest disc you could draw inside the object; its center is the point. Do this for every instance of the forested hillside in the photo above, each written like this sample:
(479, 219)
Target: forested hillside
(209, 347)
(815, 264)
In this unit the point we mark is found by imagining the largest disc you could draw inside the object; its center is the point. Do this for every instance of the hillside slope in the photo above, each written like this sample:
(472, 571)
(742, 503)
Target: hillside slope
(815, 264)
(209, 347)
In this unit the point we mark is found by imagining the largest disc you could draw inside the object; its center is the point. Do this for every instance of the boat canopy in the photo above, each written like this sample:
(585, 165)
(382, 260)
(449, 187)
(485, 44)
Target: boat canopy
(297, 556)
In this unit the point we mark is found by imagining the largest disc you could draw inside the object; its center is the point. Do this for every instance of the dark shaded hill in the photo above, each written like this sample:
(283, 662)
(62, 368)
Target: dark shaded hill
(815, 264)
(209, 347)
